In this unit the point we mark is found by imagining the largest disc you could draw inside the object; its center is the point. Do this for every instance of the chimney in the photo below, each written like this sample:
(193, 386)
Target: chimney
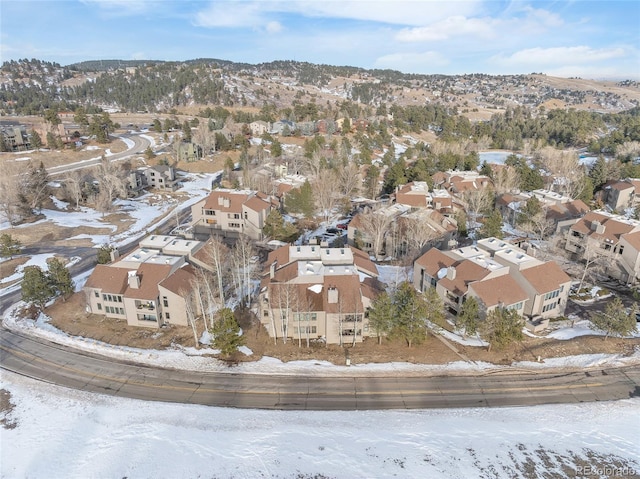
(220, 200)
(133, 279)
(272, 269)
(451, 273)
(597, 227)
(114, 254)
(332, 295)
(226, 202)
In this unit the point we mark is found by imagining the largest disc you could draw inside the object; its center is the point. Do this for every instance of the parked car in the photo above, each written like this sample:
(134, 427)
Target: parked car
(342, 226)
(333, 231)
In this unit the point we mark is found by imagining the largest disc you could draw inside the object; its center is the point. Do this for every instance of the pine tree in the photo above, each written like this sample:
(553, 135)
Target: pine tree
(9, 247)
(226, 333)
(59, 278)
(36, 140)
(492, 226)
(104, 254)
(411, 310)
(36, 287)
(300, 200)
(381, 315)
(277, 228)
(468, 317)
(615, 320)
(502, 327)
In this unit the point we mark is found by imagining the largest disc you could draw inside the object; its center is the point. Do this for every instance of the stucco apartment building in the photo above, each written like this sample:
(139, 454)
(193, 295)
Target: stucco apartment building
(231, 213)
(497, 274)
(318, 293)
(147, 288)
(613, 239)
(622, 194)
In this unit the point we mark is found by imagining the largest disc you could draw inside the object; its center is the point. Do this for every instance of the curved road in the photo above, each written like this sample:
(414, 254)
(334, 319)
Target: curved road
(139, 144)
(89, 372)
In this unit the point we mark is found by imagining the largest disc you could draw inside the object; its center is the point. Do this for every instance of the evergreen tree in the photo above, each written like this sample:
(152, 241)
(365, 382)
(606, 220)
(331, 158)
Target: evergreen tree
(36, 140)
(157, 126)
(468, 317)
(36, 287)
(381, 315)
(59, 278)
(9, 247)
(434, 308)
(81, 118)
(186, 131)
(532, 207)
(614, 320)
(277, 228)
(38, 187)
(492, 225)
(226, 333)
(502, 327)
(411, 310)
(276, 149)
(300, 200)
(104, 254)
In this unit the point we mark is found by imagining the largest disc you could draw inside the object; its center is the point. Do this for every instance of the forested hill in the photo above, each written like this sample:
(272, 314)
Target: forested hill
(31, 86)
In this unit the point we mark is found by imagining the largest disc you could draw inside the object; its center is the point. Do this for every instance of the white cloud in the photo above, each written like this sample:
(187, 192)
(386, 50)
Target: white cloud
(236, 13)
(122, 7)
(230, 15)
(423, 62)
(534, 21)
(559, 56)
(452, 26)
(274, 27)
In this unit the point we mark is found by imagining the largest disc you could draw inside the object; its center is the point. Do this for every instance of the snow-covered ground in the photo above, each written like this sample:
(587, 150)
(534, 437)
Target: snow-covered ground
(65, 433)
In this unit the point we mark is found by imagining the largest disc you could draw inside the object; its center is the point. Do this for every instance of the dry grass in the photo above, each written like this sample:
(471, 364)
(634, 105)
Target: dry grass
(72, 318)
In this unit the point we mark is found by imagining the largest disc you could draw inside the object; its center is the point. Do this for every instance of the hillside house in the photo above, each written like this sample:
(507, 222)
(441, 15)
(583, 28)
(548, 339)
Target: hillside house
(147, 288)
(609, 238)
(231, 213)
(497, 274)
(318, 293)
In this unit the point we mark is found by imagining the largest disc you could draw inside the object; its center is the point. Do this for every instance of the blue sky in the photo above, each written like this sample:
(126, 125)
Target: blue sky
(589, 39)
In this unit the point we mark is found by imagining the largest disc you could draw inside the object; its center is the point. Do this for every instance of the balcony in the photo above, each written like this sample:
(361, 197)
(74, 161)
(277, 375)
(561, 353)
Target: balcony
(145, 305)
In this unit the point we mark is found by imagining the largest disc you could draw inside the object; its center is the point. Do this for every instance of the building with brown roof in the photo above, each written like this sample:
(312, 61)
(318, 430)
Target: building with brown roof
(311, 293)
(147, 288)
(231, 213)
(497, 274)
(606, 236)
(620, 195)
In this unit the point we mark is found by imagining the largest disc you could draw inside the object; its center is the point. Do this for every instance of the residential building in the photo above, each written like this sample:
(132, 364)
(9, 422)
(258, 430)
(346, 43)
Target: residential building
(231, 213)
(148, 287)
(259, 127)
(459, 182)
(603, 236)
(159, 177)
(497, 274)
(318, 293)
(619, 195)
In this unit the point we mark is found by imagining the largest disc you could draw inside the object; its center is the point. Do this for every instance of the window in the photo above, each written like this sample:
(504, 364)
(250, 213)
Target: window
(304, 330)
(99, 307)
(121, 311)
(104, 297)
(166, 315)
(549, 307)
(209, 212)
(119, 299)
(265, 313)
(97, 295)
(552, 294)
(234, 225)
(516, 306)
(165, 302)
(305, 317)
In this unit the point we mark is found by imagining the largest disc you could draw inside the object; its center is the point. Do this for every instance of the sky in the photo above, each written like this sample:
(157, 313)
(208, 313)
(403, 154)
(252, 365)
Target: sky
(584, 38)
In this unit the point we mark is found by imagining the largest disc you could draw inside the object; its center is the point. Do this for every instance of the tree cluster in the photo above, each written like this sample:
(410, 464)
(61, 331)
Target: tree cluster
(38, 286)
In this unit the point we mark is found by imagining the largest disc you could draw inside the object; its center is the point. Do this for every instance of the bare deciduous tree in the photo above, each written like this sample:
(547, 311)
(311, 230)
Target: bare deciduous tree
(284, 299)
(567, 175)
(350, 180)
(113, 184)
(505, 179)
(375, 223)
(477, 201)
(324, 190)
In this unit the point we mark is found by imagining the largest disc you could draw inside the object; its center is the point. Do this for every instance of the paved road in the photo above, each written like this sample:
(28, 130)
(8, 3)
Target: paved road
(139, 144)
(88, 372)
